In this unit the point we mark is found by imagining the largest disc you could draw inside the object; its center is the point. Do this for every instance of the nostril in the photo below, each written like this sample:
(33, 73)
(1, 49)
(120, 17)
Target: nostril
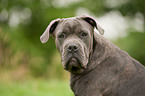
(72, 47)
(75, 48)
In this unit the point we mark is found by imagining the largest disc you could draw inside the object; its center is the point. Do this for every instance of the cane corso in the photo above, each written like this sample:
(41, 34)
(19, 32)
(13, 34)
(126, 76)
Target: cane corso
(97, 66)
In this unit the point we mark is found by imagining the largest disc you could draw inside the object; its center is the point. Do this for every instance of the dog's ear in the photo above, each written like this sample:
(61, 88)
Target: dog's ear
(49, 30)
(93, 23)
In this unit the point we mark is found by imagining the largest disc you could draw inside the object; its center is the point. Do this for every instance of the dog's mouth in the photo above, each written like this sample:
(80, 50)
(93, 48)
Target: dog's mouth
(74, 66)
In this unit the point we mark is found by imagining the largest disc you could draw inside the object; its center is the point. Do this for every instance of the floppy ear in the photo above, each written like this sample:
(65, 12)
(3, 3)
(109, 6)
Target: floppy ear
(50, 29)
(93, 23)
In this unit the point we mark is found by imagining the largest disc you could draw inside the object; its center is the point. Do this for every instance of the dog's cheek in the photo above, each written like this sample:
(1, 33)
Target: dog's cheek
(58, 45)
(86, 52)
(85, 55)
(63, 55)
(85, 62)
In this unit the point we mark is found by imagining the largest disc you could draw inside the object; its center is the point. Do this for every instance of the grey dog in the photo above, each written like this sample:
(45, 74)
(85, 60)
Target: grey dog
(97, 66)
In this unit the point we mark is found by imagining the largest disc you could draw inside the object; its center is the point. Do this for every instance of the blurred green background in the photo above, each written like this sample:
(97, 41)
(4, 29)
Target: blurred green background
(30, 68)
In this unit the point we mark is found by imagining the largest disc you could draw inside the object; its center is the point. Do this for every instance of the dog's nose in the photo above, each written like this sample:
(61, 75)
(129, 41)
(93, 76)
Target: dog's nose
(72, 47)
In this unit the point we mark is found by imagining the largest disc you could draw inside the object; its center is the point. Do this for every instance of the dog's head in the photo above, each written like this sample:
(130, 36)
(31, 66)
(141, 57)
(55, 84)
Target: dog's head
(74, 40)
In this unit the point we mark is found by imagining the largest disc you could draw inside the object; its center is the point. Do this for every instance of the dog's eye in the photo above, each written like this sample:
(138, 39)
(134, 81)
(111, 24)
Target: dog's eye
(61, 36)
(84, 34)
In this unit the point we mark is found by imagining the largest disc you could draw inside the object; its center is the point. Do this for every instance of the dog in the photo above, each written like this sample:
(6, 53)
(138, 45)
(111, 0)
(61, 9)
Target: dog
(97, 66)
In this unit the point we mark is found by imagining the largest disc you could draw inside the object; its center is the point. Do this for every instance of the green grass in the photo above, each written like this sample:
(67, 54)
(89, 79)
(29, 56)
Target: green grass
(36, 88)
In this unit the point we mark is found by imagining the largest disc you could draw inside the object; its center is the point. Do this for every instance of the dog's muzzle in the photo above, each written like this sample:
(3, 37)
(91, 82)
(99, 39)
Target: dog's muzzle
(73, 58)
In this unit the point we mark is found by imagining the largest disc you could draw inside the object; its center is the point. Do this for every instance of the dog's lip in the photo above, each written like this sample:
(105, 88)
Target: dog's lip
(72, 61)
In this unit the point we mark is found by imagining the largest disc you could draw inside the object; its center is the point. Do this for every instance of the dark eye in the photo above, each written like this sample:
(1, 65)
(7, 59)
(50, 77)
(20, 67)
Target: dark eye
(84, 34)
(61, 36)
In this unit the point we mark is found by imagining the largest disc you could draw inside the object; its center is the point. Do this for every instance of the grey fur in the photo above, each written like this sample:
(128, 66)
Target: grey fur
(110, 72)
(105, 69)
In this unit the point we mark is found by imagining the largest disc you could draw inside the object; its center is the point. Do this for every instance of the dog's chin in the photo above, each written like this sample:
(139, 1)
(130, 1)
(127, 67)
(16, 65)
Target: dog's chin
(76, 70)
(75, 66)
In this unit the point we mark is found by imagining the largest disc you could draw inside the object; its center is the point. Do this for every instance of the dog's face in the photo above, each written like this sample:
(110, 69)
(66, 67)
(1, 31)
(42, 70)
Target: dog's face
(74, 40)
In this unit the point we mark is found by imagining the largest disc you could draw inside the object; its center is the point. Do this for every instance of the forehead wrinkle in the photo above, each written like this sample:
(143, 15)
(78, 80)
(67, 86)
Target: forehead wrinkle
(76, 24)
(71, 24)
(67, 26)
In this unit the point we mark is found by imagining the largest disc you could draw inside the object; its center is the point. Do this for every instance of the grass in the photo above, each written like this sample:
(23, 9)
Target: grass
(35, 88)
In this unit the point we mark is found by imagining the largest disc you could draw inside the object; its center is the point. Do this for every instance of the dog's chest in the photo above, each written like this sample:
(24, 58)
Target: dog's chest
(86, 86)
